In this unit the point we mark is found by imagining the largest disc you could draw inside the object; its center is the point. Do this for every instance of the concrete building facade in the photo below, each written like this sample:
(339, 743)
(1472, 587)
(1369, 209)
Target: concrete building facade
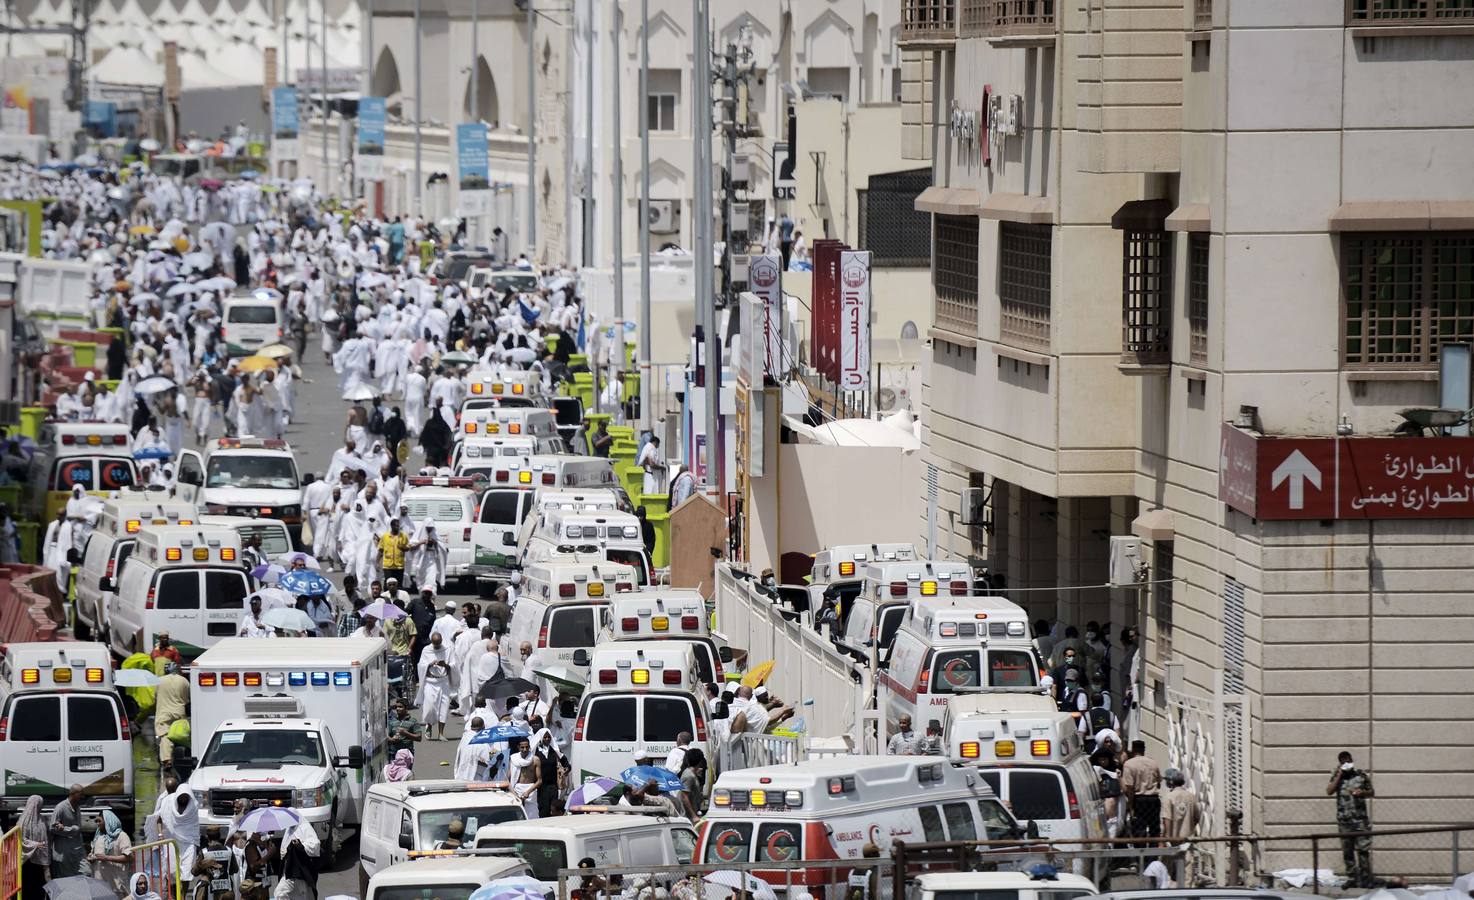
(1168, 237)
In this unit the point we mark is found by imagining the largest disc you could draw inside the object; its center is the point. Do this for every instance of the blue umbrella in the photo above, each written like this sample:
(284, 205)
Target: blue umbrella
(497, 734)
(304, 582)
(665, 779)
(250, 174)
(515, 887)
(155, 452)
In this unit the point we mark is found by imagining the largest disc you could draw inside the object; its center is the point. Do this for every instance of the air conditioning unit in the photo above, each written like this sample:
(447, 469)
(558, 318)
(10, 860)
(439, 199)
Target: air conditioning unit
(974, 509)
(739, 219)
(1126, 566)
(665, 216)
(741, 171)
(740, 263)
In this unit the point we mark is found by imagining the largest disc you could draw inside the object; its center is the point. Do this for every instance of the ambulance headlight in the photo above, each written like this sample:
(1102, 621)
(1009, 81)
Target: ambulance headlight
(201, 797)
(1015, 629)
(310, 797)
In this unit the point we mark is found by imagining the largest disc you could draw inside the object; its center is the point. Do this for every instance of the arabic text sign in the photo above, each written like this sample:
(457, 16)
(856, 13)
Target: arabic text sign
(337, 79)
(372, 116)
(763, 273)
(1353, 478)
(854, 320)
(473, 169)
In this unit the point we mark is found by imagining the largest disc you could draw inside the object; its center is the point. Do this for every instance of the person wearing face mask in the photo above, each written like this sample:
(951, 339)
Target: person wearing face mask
(1071, 641)
(1070, 660)
(1352, 788)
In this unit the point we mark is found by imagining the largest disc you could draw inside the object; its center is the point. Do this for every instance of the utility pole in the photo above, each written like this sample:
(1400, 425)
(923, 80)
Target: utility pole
(419, 115)
(705, 294)
(327, 173)
(647, 421)
(531, 130)
(475, 61)
(368, 69)
(616, 212)
(729, 146)
(588, 134)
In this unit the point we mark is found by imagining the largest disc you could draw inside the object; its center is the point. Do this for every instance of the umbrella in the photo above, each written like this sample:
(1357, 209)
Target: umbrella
(458, 358)
(290, 559)
(79, 887)
(218, 283)
(272, 597)
(181, 289)
(665, 779)
(564, 679)
(268, 573)
(304, 582)
(149, 145)
(152, 452)
(257, 364)
(381, 610)
(514, 887)
(289, 618)
(144, 297)
(729, 881)
(275, 351)
(758, 674)
(505, 687)
(134, 678)
(200, 259)
(154, 384)
(266, 293)
(361, 392)
(497, 734)
(267, 819)
(590, 791)
(250, 174)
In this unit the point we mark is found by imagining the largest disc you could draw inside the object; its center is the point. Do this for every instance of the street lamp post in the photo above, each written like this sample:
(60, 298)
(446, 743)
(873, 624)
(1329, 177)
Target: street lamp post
(646, 419)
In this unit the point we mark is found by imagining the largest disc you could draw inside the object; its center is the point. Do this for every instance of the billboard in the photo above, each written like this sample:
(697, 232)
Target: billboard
(765, 277)
(854, 320)
(371, 118)
(284, 124)
(473, 170)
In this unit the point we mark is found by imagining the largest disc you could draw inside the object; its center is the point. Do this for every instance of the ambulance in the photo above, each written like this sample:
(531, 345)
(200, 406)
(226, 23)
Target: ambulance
(840, 572)
(96, 455)
(1036, 885)
(62, 723)
(517, 486)
(609, 839)
(614, 535)
(888, 588)
(450, 502)
(545, 470)
(641, 695)
(668, 614)
(251, 322)
(246, 476)
(831, 808)
(1034, 760)
(508, 390)
(558, 611)
(276, 540)
(511, 421)
(439, 875)
(402, 818)
(187, 580)
(480, 448)
(950, 645)
(110, 545)
(300, 723)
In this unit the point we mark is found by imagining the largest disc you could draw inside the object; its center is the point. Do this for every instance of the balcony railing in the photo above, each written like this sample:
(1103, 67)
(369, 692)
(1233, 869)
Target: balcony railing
(928, 20)
(1007, 18)
(1410, 12)
(1203, 15)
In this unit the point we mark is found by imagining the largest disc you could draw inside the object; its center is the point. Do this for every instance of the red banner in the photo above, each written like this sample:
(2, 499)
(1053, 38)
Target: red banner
(825, 330)
(1346, 478)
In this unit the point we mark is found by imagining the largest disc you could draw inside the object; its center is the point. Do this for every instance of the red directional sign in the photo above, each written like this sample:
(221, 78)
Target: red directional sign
(1346, 478)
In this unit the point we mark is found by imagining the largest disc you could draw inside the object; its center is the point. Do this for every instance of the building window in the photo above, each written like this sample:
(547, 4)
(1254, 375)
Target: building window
(956, 274)
(1162, 597)
(1146, 297)
(833, 83)
(895, 232)
(1197, 298)
(1024, 263)
(1406, 294)
(1416, 12)
(663, 100)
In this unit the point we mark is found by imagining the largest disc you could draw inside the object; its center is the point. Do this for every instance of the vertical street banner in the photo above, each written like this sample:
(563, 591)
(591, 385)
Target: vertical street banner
(371, 118)
(473, 170)
(764, 274)
(284, 124)
(826, 307)
(854, 320)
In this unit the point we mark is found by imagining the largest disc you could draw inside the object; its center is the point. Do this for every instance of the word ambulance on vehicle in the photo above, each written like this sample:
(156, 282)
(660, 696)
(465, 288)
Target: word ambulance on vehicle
(668, 614)
(62, 723)
(110, 545)
(1033, 759)
(950, 645)
(839, 572)
(98, 456)
(831, 808)
(187, 580)
(641, 696)
(559, 610)
(246, 476)
(889, 586)
(300, 723)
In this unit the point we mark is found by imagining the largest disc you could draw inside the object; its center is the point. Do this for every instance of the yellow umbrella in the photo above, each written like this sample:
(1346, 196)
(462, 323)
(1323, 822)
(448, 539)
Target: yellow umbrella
(257, 364)
(141, 229)
(758, 674)
(275, 351)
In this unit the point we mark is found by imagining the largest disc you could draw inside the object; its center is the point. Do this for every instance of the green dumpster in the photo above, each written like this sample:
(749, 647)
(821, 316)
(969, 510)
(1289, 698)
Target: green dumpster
(654, 503)
(622, 432)
(576, 360)
(551, 342)
(30, 541)
(661, 521)
(31, 418)
(10, 496)
(583, 388)
(84, 353)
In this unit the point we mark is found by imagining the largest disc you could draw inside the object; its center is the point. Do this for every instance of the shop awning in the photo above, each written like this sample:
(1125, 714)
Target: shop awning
(948, 201)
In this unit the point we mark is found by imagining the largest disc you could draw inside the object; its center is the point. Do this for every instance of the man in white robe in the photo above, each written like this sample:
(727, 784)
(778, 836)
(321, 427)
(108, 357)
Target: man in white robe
(473, 761)
(435, 687)
(428, 555)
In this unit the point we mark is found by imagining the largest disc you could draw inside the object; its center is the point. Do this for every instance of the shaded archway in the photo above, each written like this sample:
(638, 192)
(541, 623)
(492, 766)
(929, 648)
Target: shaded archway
(488, 109)
(386, 75)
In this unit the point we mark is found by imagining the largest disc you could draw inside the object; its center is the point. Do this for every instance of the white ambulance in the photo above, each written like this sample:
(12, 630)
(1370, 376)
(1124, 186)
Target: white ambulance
(406, 817)
(839, 571)
(187, 580)
(668, 614)
(516, 486)
(512, 421)
(110, 545)
(831, 808)
(1034, 760)
(246, 476)
(609, 839)
(488, 448)
(98, 456)
(614, 535)
(506, 390)
(641, 695)
(441, 876)
(878, 608)
(559, 609)
(62, 723)
(450, 503)
(1006, 886)
(292, 722)
(951, 645)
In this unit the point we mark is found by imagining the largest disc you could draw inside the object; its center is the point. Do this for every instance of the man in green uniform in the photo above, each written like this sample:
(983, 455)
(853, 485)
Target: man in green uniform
(1352, 787)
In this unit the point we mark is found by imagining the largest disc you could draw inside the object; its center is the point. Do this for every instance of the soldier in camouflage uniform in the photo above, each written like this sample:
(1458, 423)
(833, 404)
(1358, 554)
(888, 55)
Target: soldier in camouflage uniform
(1351, 787)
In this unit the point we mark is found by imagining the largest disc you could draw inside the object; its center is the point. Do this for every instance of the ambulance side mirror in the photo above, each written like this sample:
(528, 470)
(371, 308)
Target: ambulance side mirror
(355, 758)
(580, 657)
(406, 840)
(724, 654)
(1032, 831)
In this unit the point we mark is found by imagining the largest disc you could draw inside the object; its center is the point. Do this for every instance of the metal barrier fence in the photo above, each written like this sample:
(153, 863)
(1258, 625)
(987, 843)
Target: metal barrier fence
(745, 751)
(11, 855)
(1416, 855)
(159, 860)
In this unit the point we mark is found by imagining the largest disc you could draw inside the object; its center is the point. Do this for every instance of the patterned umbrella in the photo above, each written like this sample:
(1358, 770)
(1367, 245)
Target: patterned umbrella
(304, 582)
(269, 819)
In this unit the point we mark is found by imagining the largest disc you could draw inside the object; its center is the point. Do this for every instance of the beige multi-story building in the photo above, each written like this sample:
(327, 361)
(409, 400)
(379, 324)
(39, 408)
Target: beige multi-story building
(1169, 235)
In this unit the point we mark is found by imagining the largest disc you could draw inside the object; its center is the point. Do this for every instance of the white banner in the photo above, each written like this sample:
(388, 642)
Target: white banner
(854, 320)
(764, 275)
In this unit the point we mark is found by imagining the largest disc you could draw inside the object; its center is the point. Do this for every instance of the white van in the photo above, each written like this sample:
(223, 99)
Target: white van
(486, 448)
(614, 535)
(1035, 761)
(110, 545)
(547, 845)
(668, 614)
(641, 695)
(246, 476)
(1000, 886)
(840, 572)
(443, 877)
(508, 389)
(403, 817)
(956, 645)
(512, 421)
(558, 611)
(251, 323)
(184, 579)
(831, 808)
(276, 539)
(96, 455)
(451, 504)
(62, 723)
(877, 610)
(517, 486)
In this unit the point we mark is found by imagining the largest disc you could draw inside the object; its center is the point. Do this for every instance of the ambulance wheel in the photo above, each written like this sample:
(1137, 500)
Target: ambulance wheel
(363, 880)
(330, 843)
(485, 589)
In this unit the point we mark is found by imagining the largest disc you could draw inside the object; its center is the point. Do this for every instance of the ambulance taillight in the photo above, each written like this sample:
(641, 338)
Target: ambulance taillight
(970, 750)
(959, 588)
(690, 622)
(503, 475)
(148, 602)
(1039, 747)
(671, 676)
(549, 478)
(607, 676)
(208, 679)
(721, 797)
(566, 590)
(846, 568)
(133, 526)
(640, 676)
(623, 587)
(630, 623)
(578, 729)
(1074, 804)
(898, 588)
(230, 679)
(30, 676)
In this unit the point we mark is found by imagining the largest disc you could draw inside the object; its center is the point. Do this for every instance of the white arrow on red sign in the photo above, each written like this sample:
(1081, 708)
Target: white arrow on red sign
(1296, 469)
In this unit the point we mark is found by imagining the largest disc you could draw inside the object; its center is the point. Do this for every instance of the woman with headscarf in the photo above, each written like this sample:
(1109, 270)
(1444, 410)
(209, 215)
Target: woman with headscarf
(377, 458)
(35, 850)
(526, 776)
(111, 853)
(140, 889)
(428, 556)
(435, 686)
(401, 767)
(300, 850)
(551, 768)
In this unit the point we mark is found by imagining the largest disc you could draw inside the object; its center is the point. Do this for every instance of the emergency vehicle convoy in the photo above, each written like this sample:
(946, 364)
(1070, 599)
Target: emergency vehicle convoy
(111, 544)
(187, 580)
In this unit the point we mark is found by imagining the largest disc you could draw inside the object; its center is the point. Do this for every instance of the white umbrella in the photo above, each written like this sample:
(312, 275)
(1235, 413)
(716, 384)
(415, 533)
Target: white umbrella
(135, 678)
(218, 283)
(154, 384)
(361, 392)
(200, 259)
(181, 289)
(723, 883)
(149, 145)
(289, 618)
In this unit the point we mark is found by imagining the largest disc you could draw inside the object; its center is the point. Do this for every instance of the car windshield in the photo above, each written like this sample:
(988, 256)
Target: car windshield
(435, 824)
(544, 858)
(271, 472)
(263, 749)
(425, 892)
(503, 282)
